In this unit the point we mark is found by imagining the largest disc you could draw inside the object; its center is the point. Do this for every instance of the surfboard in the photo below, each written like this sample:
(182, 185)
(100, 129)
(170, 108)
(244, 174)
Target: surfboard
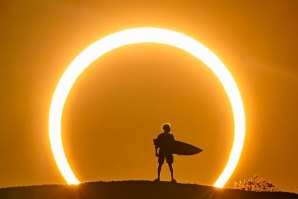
(182, 148)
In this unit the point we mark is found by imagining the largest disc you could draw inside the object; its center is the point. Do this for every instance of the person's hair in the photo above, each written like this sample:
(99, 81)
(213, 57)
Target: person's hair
(166, 126)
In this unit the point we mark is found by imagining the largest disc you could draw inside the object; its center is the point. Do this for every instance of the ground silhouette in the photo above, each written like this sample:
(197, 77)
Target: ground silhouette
(135, 190)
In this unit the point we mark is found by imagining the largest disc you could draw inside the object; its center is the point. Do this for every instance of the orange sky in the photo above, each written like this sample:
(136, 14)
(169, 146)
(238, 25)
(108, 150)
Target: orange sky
(118, 105)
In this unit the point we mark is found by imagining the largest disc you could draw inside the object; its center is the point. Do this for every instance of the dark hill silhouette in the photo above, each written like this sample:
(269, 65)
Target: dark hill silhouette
(134, 190)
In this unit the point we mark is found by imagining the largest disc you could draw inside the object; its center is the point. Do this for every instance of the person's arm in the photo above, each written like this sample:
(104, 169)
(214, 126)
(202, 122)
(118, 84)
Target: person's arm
(173, 138)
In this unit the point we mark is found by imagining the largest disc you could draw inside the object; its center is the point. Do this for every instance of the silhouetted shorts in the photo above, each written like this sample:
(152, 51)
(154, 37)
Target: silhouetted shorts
(169, 158)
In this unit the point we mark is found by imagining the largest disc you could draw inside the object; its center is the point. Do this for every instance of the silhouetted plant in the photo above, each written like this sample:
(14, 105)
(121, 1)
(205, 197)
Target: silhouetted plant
(257, 184)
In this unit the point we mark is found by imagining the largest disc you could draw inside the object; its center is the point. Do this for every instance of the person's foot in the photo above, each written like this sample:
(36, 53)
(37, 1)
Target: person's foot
(173, 180)
(157, 180)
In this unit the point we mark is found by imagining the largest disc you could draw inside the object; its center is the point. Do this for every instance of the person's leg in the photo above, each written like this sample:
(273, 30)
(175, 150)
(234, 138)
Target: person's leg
(161, 159)
(170, 161)
(159, 170)
(172, 171)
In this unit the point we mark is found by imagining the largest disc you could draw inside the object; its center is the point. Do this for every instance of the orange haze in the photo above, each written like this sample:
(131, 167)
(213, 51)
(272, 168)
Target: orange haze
(118, 104)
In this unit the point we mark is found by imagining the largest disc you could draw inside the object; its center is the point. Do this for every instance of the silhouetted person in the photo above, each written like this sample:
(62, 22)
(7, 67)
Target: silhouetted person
(163, 150)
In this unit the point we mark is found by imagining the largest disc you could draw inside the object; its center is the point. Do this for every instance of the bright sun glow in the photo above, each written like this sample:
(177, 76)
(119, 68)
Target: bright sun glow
(135, 36)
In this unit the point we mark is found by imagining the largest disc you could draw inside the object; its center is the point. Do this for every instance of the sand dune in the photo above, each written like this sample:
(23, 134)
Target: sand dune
(134, 190)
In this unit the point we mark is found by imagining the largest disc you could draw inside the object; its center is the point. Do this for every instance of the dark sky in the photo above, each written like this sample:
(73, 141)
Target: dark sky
(118, 105)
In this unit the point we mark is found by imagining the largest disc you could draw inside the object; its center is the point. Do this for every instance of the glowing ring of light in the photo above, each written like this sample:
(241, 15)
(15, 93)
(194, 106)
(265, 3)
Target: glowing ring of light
(144, 35)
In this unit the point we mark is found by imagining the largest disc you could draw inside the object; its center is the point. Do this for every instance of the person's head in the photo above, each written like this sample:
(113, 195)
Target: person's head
(166, 127)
